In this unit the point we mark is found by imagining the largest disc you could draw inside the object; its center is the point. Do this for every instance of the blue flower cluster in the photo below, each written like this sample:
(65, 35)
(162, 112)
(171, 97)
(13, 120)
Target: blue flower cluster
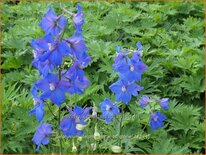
(156, 118)
(130, 68)
(130, 71)
(56, 80)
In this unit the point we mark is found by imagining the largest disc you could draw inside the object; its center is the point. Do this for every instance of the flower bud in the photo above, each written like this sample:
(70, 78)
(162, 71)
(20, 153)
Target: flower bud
(93, 146)
(116, 149)
(80, 127)
(74, 148)
(79, 139)
(96, 133)
(94, 111)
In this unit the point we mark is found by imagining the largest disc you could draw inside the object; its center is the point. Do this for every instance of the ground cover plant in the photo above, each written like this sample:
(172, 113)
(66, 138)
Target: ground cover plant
(163, 110)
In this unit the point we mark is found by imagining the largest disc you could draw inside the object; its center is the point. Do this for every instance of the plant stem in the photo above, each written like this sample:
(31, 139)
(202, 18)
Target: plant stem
(120, 124)
(60, 141)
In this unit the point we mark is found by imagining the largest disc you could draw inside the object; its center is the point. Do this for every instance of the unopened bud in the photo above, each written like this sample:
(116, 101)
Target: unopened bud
(94, 111)
(74, 148)
(116, 149)
(96, 133)
(79, 139)
(80, 127)
(93, 146)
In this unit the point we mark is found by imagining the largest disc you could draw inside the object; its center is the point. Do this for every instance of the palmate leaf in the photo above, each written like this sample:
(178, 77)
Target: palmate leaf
(183, 118)
(163, 144)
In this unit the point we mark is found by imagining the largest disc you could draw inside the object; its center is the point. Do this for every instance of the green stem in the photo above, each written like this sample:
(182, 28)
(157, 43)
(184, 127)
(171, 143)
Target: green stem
(60, 140)
(120, 125)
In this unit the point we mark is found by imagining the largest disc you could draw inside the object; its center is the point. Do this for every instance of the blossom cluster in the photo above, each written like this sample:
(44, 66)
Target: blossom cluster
(50, 53)
(130, 68)
(156, 118)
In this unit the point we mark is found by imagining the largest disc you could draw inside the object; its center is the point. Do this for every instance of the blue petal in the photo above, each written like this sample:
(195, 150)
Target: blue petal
(78, 110)
(55, 58)
(45, 141)
(46, 95)
(42, 85)
(62, 22)
(57, 97)
(39, 113)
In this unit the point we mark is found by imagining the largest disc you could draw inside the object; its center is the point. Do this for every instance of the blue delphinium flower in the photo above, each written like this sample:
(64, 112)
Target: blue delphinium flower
(124, 90)
(109, 109)
(42, 134)
(78, 18)
(144, 100)
(132, 70)
(164, 103)
(55, 52)
(38, 109)
(53, 24)
(77, 82)
(78, 48)
(53, 89)
(77, 116)
(156, 120)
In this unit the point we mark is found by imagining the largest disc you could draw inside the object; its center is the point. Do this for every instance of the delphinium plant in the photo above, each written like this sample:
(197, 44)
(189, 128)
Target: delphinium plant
(53, 53)
(130, 67)
(57, 78)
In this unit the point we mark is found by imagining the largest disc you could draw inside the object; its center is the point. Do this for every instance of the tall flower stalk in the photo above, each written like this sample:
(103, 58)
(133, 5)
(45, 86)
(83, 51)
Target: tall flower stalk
(57, 79)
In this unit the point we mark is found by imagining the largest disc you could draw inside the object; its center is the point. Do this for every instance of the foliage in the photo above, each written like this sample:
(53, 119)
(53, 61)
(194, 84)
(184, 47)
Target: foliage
(172, 35)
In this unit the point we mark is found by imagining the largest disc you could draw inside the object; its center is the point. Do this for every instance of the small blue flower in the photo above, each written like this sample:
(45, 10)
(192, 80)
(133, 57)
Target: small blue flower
(156, 120)
(77, 116)
(143, 102)
(38, 109)
(78, 81)
(78, 48)
(78, 18)
(53, 89)
(124, 90)
(164, 103)
(53, 24)
(55, 52)
(131, 70)
(109, 109)
(42, 134)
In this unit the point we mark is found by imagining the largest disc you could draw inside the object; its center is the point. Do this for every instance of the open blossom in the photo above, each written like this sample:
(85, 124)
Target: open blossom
(78, 81)
(131, 70)
(53, 89)
(124, 90)
(69, 123)
(156, 120)
(109, 109)
(53, 24)
(41, 136)
(78, 48)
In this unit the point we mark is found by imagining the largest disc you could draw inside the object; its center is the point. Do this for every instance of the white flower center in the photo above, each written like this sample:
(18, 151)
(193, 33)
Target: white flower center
(51, 47)
(35, 102)
(124, 89)
(131, 68)
(108, 107)
(51, 86)
(155, 118)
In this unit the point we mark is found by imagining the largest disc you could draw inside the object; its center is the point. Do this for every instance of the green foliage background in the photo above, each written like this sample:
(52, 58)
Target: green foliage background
(172, 35)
